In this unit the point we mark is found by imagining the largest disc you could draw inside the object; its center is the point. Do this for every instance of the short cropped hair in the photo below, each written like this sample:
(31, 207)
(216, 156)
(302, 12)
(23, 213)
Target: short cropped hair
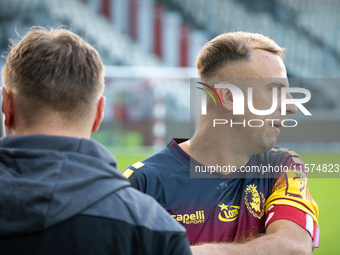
(54, 69)
(230, 48)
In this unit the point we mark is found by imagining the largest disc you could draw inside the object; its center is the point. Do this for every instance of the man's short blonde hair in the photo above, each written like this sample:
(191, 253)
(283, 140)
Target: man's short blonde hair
(230, 48)
(55, 70)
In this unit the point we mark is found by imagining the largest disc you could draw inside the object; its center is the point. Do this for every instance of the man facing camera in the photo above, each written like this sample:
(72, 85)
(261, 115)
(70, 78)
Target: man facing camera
(236, 211)
(61, 192)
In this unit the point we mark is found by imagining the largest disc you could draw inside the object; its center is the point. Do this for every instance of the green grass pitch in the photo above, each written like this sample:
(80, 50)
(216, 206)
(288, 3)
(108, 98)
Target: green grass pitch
(325, 191)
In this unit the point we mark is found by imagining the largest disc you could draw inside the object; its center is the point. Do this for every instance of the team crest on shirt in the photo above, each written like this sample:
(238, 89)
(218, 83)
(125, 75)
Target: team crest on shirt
(254, 201)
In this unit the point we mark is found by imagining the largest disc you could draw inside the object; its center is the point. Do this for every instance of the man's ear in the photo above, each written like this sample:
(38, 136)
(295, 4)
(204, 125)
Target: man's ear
(226, 97)
(99, 114)
(7, 107)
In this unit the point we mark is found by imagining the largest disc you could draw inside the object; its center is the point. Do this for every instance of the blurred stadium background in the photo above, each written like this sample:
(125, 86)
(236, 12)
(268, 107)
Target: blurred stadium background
(149, 49)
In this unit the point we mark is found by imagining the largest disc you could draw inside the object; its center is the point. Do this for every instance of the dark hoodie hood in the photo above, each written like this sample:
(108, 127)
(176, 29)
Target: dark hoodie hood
(45, 180)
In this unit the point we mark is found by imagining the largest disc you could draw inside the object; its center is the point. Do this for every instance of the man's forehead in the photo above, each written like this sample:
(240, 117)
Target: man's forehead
(260, 82)
(264, 55)
(264, 64)
(276, 82)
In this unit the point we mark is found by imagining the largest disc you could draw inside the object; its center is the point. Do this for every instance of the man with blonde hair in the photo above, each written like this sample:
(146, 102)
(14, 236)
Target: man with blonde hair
(265, 212)
(60, 191)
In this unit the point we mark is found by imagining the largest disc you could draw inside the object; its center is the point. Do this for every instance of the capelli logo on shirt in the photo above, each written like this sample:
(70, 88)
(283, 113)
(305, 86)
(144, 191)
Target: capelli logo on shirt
(228, 212)
(194, 218)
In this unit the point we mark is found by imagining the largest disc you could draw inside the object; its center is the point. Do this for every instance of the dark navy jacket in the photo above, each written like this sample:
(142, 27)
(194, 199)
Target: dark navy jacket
(62, 195)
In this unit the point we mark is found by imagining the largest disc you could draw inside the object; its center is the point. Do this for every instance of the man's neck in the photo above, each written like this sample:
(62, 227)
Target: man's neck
(216, 148)
(48, 130)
